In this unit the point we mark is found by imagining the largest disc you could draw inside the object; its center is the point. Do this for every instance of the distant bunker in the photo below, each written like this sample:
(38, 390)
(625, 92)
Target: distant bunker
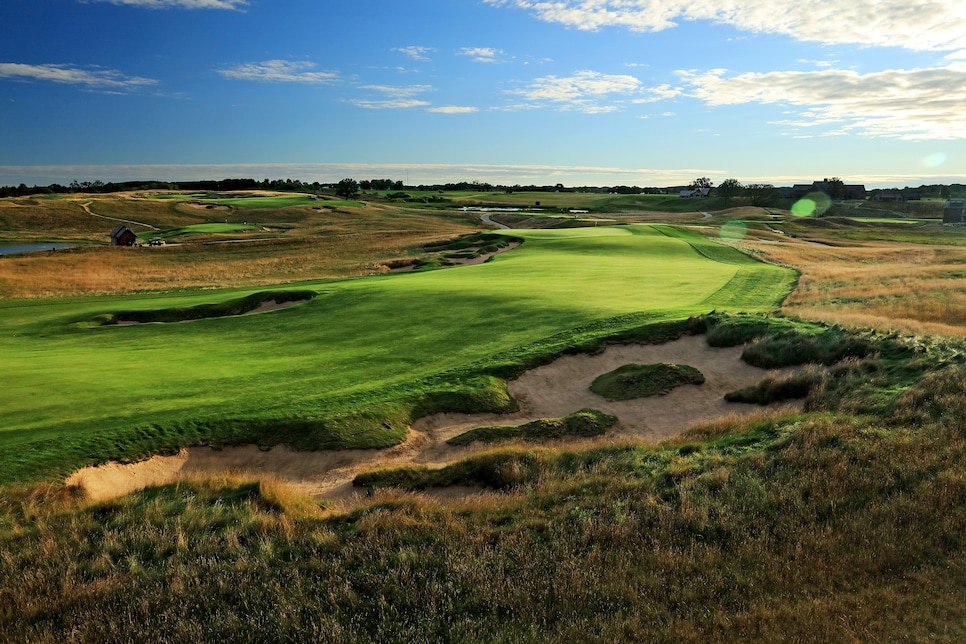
(255, 303)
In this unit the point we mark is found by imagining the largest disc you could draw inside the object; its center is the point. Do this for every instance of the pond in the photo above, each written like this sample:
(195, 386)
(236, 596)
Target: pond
(9, 249)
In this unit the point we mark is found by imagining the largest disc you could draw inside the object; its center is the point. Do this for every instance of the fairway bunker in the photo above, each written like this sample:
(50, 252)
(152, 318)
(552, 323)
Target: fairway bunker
(256, 303)
(551, 391)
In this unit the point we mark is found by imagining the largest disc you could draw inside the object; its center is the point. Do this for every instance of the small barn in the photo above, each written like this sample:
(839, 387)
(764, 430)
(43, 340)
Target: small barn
(123, 236)
(954, 212)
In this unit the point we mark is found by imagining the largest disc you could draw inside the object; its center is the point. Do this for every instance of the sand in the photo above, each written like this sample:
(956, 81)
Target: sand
(551, 391)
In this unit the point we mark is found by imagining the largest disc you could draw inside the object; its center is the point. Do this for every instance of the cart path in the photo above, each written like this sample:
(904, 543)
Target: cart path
(87, 208)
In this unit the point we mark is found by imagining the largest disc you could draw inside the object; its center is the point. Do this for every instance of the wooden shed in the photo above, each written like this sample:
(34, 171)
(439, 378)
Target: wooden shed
(123, 236)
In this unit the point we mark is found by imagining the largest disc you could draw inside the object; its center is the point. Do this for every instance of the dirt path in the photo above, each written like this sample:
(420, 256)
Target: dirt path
(553, 390)
(87, 208)
(486, 217)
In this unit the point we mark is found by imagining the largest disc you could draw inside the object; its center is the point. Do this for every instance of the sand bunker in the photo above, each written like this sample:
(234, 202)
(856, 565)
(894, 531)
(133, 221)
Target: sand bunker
(551, 391)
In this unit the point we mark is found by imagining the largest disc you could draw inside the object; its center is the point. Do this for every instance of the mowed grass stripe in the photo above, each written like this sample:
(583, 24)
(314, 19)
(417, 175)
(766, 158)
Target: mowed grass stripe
(359, 345)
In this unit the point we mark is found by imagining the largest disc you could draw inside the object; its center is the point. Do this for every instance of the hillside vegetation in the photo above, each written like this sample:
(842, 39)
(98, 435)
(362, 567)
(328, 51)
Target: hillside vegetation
(841, 521)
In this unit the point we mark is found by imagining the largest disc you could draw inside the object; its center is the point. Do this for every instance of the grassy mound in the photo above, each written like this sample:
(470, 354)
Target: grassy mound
(642, 380)
(583, 423)
(776, 342)
(203, 311)
(778, 388)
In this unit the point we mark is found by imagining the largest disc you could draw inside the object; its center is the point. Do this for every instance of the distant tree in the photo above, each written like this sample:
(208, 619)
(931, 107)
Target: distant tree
(836, 188)
(761, 194)
(347, 188)
(729, 189)
(701, 182)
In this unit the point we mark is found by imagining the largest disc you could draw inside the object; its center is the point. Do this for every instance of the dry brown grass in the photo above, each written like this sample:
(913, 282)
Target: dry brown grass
(907, 287)
(347, 243)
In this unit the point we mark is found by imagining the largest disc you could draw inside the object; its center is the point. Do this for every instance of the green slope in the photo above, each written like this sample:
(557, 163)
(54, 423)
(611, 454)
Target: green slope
(347, 368)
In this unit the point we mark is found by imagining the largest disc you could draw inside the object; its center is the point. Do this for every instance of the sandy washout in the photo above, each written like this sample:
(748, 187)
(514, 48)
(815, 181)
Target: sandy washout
(455, 261)
(207, 206)
(550, 391)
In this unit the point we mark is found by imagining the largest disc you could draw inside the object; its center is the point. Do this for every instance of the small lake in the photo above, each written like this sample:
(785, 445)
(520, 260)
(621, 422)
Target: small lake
(9, 249)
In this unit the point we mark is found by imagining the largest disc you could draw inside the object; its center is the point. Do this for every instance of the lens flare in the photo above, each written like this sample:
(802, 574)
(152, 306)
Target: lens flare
(733, 231)
(803, 208)
(813, 204)
(934, 160)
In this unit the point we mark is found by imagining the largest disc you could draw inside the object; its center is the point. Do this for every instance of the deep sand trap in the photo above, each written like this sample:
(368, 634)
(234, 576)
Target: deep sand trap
(551, 391)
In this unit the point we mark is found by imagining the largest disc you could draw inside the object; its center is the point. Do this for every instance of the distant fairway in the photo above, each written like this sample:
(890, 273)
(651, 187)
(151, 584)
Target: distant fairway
(208, 229)
(359, 351)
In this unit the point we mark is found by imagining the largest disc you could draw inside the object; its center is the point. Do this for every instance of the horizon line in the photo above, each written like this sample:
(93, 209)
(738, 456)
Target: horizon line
(425, 173)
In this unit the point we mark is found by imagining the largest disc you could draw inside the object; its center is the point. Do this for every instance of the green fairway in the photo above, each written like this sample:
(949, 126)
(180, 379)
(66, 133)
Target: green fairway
(347, 368)
(208, 229)
(262, 203)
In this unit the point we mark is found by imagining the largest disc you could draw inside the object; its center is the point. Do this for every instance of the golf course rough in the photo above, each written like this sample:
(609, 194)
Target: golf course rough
(349, 367)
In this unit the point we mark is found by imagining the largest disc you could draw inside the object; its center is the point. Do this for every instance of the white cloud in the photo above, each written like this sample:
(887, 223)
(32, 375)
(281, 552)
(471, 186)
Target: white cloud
(279, 71)
(912, 104)
(399, 92)
(99, 78)
(389, 104)
(590, 92)
(397, 97)
(415, 52)
(483, 54)
(331, 172)
(659, 93)
(913, 24)
(453, 109)
(179, 4)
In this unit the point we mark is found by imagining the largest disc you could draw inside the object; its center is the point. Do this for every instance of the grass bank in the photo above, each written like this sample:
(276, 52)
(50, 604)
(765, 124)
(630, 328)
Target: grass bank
(802, 527)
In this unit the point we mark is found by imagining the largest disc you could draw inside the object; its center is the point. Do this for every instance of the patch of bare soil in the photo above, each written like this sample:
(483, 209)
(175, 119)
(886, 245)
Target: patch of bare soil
(551, 391)
(207, 206)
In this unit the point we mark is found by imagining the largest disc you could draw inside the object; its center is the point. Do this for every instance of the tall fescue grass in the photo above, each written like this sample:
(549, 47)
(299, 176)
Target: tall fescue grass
(803, 529)
(890, 285)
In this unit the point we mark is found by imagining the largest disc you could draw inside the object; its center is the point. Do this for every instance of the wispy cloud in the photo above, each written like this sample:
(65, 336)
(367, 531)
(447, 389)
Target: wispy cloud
(912, 24)
(453, 109)
(394, 97)
(483, 54)
(279, 71)
(415, 52)
(586, 91)
(178, 4)
(96, 78)
(911, 104)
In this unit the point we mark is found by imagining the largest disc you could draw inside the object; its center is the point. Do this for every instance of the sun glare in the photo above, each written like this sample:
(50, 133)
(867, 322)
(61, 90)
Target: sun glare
(934, 160)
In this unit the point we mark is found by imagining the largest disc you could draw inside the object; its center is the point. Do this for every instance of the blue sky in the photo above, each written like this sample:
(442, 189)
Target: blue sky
(583, 92)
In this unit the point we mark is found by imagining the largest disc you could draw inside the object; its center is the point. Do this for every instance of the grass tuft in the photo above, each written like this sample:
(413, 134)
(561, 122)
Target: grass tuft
(778, 388)
(584, 423)
(641, 380)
